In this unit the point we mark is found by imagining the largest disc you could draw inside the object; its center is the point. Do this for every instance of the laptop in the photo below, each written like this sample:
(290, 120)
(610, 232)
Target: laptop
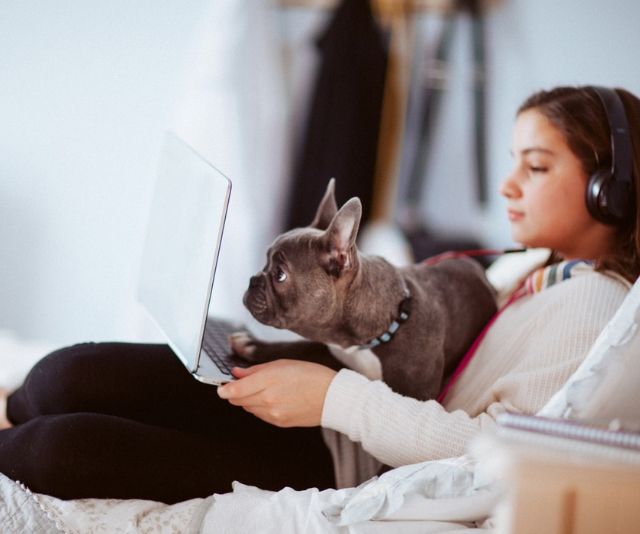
(179, 261)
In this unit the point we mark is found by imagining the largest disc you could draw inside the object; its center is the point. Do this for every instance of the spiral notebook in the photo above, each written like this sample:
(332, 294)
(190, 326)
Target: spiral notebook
(612, 433)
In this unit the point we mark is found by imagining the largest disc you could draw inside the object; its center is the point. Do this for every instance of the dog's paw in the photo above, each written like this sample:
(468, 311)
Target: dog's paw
(243, 345)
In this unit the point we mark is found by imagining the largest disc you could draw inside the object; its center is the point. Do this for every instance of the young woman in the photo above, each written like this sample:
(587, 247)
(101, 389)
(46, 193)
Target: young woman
(109, 420)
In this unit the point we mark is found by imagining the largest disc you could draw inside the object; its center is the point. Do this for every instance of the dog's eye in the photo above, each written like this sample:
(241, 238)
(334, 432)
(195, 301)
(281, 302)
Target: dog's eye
(281, 276)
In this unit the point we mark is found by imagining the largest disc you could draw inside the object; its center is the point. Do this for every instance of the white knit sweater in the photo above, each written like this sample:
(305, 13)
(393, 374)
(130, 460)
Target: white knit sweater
(527, 355)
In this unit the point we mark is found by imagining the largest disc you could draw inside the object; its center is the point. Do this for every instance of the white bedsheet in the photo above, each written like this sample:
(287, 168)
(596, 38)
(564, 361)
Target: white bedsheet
(99, 516)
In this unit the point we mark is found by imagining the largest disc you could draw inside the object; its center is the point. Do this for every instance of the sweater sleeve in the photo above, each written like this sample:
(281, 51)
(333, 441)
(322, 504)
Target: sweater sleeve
(526, 357)
(397, 430)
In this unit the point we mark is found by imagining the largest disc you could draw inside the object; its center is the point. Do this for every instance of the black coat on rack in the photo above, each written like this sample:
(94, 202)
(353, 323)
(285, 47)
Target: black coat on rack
(342, 128)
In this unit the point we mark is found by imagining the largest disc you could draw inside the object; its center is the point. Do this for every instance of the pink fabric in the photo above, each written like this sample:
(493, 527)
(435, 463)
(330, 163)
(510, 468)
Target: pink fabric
(537, 281)
(467, 357)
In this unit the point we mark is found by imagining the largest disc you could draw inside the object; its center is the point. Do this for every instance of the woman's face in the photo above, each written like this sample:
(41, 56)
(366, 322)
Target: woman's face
(545, 193)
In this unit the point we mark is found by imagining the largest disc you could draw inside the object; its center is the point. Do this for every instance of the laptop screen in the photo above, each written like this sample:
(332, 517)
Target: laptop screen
(182, 245)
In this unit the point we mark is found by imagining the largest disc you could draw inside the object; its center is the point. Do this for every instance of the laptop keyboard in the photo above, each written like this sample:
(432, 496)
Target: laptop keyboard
(216, 345)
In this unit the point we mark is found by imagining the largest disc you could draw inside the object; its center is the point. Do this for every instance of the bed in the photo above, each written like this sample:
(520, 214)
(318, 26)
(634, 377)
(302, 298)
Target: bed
(452, 495)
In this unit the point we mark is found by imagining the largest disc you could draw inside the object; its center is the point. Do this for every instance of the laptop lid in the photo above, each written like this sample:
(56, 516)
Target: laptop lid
(182, 246)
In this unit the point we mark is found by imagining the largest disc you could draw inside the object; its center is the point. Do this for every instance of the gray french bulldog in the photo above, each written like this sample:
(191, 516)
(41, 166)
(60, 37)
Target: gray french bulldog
(418, 320)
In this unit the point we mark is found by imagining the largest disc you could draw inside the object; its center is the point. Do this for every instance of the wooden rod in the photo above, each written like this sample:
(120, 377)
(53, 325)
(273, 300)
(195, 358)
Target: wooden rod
(384, 7)
(392, 121)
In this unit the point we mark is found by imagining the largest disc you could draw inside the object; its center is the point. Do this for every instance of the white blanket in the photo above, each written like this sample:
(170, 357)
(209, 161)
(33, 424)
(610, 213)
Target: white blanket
(425, 498)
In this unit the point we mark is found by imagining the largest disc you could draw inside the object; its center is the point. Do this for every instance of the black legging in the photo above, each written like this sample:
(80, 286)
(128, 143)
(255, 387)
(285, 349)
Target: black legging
(118, 420)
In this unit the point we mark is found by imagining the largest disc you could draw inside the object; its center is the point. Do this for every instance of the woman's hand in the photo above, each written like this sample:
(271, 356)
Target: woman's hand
(284, 393)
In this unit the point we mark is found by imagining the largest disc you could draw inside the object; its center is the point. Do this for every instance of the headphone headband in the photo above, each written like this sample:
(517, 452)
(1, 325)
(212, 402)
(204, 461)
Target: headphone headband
(610, 192)
(621, 154)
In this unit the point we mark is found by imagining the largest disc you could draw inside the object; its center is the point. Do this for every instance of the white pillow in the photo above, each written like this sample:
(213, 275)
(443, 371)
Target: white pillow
(17, 357)
(607, 384)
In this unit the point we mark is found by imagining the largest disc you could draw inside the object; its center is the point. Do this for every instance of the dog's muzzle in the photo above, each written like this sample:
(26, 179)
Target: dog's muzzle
(255, 298)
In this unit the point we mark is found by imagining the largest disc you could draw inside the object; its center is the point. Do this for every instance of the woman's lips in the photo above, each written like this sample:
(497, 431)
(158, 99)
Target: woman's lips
(514, 215)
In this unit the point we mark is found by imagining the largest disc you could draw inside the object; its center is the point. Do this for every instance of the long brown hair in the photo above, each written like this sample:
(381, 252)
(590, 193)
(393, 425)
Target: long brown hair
(580, 116)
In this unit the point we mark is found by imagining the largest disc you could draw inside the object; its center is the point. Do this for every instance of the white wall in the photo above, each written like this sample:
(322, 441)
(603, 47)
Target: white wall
(88, 88)
(541, 44)
(86, 92)
(530, 46)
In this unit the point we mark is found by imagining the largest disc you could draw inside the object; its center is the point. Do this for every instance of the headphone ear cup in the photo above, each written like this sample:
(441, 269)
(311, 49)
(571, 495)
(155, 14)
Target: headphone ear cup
(608, 200)
(596, 196)
(619, 201)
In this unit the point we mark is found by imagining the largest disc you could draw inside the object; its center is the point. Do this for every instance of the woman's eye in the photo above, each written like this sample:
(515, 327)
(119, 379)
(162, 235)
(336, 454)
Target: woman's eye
(281, 276)
(538, 169)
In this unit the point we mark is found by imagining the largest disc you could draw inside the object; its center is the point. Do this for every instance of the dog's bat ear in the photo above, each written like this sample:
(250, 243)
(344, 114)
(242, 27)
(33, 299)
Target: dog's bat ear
(342, 233)
(327, 209)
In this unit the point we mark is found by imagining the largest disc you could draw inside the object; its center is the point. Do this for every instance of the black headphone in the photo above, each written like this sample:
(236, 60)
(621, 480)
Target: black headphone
(610, 192)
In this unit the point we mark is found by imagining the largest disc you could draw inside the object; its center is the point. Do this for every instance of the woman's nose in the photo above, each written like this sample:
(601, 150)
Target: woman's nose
(509, 188)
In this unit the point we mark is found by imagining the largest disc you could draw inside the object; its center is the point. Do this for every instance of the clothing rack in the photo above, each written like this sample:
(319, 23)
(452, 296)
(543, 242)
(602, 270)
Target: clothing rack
(385, 8)
(396, 16)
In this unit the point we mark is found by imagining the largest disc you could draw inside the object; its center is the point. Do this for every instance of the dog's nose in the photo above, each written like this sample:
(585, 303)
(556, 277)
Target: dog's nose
(256, 281)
